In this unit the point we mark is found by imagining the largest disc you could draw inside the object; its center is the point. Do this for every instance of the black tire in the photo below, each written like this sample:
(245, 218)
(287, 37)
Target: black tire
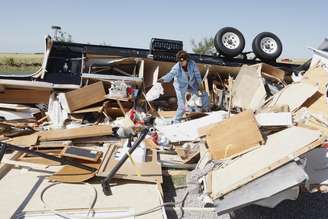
(230, 46)
(270, 49)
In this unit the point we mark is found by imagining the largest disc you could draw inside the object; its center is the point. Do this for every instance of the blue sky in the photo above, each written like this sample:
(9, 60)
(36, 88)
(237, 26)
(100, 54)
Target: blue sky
(299, 24)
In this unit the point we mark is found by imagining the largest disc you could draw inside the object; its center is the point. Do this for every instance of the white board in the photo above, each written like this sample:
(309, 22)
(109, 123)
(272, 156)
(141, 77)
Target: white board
(278, 150)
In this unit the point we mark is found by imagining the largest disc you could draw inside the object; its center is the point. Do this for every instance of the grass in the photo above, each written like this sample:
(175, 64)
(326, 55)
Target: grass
(20, 62)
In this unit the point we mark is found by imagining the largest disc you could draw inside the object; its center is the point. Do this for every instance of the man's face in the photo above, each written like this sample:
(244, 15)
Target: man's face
(183, 63)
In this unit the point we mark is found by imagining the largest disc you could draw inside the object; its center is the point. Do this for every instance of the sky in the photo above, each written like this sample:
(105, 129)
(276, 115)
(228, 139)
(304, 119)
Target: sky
(132, 23)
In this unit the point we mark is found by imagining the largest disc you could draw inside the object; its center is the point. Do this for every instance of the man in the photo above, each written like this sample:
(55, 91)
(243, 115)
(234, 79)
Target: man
(186, 77)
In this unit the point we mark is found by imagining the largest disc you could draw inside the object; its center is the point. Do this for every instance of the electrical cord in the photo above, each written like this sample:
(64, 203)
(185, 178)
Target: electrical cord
(170, 205)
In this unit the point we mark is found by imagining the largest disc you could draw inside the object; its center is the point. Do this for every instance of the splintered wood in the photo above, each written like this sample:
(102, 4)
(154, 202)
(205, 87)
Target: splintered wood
(233, 136)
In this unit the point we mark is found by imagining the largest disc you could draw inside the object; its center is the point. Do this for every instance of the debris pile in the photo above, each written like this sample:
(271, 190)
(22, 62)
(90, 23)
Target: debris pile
(255, 123)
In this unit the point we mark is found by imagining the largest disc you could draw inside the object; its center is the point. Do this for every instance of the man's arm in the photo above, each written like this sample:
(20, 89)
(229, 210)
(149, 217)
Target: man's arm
(169, 76)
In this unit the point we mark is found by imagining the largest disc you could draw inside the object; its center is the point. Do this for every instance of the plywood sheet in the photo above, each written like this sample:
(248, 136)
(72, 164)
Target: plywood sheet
(280, 148)
(233, 136)
(86, 96)
(74, 133)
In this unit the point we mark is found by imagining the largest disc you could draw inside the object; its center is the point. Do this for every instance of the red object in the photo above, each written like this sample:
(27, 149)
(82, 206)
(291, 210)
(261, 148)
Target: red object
(154, 137)
(129, 90)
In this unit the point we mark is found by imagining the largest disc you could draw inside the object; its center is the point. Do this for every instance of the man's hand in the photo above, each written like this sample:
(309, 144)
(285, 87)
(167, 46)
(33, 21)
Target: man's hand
(201, 87)
(161, 80)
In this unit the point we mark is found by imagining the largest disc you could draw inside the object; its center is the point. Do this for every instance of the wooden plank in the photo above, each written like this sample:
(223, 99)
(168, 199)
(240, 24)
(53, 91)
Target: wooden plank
(25, 96)
(279, 149)
(33, 166)
(86, 96)
(15, 107)
(233, 136)
(81, 153)
(26, 140)
(74, 133)
(5, 168)
(89, 110)
(38, 160)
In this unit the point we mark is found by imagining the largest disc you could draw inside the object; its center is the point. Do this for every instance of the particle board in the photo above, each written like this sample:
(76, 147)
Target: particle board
(233, 136)
(279, 149)
(24, 96)
(86, 96)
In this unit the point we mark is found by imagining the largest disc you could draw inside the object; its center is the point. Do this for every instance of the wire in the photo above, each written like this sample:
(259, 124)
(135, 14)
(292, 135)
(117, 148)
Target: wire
(55, 211)
(169, 205)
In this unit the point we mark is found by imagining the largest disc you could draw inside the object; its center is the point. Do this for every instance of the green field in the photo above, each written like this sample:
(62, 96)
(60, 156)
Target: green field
(20, 62)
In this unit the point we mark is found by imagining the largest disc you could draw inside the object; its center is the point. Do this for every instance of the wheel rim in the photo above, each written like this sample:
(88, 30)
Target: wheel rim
(230, 40)
(269, 45)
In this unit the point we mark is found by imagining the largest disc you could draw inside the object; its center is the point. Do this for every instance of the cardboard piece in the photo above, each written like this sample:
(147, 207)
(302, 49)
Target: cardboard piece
(74, 133)
(248, 90)
(233, 136)
(279, 149)
(86, 96)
